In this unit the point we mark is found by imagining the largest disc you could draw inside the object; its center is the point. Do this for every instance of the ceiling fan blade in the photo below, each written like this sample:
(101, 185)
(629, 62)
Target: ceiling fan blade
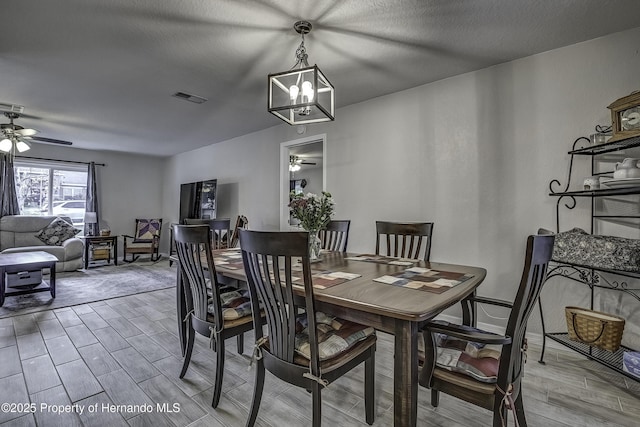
(51, 141)
(25, 132)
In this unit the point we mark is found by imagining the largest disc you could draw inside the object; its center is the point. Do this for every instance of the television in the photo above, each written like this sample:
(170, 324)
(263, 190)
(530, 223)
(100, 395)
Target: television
(198, 200)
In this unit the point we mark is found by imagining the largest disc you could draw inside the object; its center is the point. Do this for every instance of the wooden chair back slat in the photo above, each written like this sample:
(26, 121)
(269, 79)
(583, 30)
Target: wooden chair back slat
(268, 259)
(405, 240)
(335, 236)
(241, 222)
(193, 247)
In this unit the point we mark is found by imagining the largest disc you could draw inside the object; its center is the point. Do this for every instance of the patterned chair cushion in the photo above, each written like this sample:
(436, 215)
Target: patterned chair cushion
(236, 303)
(335, 335)
(147, 229)
(57, 232)
(479, 361)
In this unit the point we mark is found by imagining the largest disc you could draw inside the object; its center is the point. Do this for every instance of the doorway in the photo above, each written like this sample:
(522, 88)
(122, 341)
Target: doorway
(303, 168)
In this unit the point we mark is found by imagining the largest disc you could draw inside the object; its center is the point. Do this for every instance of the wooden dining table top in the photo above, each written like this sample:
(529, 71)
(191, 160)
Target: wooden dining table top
(365, 294)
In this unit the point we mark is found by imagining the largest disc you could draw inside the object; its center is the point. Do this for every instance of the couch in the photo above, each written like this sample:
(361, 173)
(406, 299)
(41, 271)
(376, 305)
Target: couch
(18, 234)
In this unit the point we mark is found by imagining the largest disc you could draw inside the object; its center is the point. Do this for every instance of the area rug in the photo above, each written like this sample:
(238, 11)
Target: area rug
(95, 284)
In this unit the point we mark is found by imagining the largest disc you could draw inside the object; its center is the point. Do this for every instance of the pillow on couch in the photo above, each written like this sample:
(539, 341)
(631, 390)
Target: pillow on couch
(57, 232)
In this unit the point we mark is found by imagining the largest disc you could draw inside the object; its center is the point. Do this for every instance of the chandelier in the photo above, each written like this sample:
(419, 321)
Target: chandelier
(302, 94)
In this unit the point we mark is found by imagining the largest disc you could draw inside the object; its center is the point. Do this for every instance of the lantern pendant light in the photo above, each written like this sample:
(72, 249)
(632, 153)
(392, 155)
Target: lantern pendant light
(302, 94)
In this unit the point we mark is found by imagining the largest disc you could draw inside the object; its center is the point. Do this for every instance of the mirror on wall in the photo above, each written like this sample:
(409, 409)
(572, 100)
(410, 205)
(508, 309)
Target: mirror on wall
(303, 165)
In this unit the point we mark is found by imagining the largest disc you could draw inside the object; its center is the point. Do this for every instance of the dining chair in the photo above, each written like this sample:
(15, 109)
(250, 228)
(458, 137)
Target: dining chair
(306, 351)
(220, 229)
(404, 239)
(241, 222)
(146, 240)
(484, 368)
(215, 311)
(335, 236)
(221, 232)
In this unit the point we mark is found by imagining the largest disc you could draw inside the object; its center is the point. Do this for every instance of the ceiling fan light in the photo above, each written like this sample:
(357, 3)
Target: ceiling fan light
(6, 145)
(23, 146)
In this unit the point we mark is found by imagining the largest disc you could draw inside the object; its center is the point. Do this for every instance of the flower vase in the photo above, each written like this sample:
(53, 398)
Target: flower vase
(314, 245)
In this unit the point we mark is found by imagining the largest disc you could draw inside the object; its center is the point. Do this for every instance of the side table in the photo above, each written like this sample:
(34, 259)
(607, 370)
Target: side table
(108, 243)
(19, 266)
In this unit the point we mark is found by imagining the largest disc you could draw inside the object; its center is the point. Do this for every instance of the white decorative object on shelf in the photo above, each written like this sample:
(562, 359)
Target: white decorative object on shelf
(619, 183)
(591, 183)
(627, 169)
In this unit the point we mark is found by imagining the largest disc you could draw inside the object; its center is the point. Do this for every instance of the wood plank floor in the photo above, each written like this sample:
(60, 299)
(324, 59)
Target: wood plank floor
(125, 351)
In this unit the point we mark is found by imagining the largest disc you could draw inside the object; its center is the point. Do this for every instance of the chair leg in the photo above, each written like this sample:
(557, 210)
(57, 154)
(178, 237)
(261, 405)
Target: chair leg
(316, 395)
(240, 342)
(257, 394)
(369, 388)
(217, 385)
(522, 420)
(435, 397)
(187, 355)
(133, 258)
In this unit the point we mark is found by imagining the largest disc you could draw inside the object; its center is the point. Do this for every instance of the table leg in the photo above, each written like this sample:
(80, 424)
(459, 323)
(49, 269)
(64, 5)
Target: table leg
(52, 280)
(405, 373)
(115, 251)
(86, 253)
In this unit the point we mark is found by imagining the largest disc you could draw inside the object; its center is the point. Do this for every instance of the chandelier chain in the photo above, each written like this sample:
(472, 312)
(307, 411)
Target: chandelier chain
(301, 55)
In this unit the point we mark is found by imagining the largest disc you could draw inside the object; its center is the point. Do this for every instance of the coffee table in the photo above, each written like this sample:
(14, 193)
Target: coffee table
(27, 263)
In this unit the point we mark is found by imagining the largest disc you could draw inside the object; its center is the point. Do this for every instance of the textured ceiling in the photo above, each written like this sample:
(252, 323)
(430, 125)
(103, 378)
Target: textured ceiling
(101, 73)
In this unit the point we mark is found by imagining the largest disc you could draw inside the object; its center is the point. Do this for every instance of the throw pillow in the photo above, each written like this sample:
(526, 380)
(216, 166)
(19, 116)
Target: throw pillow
(57, 232)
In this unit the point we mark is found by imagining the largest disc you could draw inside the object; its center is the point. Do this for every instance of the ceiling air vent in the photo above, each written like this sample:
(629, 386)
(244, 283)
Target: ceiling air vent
(189, 97)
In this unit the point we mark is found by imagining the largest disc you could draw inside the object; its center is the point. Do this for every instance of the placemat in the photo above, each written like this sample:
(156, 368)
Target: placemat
(425, 279)
(230, 259)
(380, 259)
(327, 279)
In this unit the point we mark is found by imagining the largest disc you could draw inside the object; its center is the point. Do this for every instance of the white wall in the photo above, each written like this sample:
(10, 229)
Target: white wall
(473, 153)
(129, 186)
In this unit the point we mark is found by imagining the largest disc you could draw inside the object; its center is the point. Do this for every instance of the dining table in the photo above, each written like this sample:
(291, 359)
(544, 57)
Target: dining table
(371, 299)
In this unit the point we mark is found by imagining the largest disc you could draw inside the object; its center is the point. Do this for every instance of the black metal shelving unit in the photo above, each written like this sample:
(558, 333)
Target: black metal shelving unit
(594, 278)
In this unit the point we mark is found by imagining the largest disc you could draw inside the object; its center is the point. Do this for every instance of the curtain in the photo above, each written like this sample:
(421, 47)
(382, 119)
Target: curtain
(92, 201)
(8, 197)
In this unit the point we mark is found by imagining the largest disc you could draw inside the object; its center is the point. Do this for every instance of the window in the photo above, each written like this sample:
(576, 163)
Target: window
(65, 185)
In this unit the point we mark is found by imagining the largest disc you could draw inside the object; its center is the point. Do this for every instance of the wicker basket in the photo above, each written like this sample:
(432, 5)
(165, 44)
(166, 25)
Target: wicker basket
(101, 253)
(594, 328)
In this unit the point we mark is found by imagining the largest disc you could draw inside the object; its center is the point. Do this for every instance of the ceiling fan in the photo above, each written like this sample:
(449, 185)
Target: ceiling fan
(11, 133)
(295, 162)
